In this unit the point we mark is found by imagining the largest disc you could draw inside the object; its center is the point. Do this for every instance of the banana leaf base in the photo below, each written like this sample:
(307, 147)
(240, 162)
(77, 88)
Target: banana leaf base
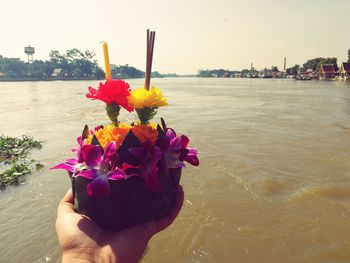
(130, 201)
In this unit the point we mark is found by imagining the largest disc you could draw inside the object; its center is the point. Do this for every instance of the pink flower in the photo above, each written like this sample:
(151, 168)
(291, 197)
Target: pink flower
(177, 152)
(96, 165)
(148, 157)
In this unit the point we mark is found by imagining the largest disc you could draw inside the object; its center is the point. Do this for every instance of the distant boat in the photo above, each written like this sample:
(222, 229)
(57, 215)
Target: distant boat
(265, 76)
(303, 77)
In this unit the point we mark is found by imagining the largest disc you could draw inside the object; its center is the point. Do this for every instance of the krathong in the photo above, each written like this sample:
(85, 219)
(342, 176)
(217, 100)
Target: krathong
(127, 173)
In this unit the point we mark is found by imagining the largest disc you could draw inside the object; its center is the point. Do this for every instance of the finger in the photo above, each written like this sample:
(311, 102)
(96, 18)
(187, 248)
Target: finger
(66, 204)
(159, 224)
(68, 197)
(168, 219)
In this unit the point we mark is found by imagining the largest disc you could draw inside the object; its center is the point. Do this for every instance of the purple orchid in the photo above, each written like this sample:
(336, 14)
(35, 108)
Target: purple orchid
(148, 156)
(177, 152)
(70, 165)
(78, 149)
(96, 165)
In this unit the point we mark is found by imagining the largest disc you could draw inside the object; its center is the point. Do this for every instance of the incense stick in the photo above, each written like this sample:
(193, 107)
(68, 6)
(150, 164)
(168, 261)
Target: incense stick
(147, 60)
(149, 57)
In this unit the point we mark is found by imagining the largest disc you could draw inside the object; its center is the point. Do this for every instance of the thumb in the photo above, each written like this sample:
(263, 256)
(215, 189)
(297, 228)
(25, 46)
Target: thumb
(66, 204)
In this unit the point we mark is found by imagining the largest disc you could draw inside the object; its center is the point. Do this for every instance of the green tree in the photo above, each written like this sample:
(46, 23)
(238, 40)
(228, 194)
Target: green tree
(316, 63)
(98, 73)
(204, 73)
(274, 69)
(126, 72)
(349, 55)
(156, 74)
(77, 73)
(74, 64)
(293, 70)
(56, 58)
(48, 69)
(13, 68)
(36, 69)
(60, 61)
(81, 63)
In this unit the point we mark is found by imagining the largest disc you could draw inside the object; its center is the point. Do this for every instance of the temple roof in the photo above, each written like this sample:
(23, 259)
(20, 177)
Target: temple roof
(328, 68)
(346, 66)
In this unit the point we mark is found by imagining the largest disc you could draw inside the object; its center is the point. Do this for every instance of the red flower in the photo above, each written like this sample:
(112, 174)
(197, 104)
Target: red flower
(112, 92)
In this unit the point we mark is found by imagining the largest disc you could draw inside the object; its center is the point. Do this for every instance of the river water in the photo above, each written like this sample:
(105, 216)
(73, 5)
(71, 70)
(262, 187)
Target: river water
(273, 184)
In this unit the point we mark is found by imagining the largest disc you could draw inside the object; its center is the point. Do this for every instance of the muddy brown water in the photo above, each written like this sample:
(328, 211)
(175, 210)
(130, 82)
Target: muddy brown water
(273, 184)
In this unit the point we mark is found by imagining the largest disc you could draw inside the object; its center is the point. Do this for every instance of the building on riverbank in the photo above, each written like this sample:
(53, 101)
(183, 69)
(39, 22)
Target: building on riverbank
(327, 72)
(344, 71)
(57, 73)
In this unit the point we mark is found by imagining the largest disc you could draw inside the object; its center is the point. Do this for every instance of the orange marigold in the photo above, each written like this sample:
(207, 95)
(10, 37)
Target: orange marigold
(111, 133)
(145, 133)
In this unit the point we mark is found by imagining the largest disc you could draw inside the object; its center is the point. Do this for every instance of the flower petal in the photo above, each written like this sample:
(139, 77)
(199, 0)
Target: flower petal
(192, 157)
(88, 174)
(112, 91)
(170, 133)
(91, 155)
(131, 170)
(183, 154)
(184, 141)
(110, 150)
(93, 93)
(117, 174)
(99, 187)
(72, 161)
(65, 166)
(176, 143)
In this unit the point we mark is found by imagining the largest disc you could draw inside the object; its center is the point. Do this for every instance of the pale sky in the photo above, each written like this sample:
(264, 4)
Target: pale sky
(190, 34)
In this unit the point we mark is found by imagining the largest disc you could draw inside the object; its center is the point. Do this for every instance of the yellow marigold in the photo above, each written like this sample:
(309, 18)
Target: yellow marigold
(111, 133)
(152, 98)
(145, 133)
(88, 139)
(153, 125)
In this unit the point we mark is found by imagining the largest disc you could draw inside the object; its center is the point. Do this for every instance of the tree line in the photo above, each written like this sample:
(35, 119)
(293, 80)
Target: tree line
(73, 64)
(315, 64)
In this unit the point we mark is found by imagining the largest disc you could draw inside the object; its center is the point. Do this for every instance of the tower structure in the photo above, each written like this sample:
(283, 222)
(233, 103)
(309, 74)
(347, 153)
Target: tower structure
(30, 52)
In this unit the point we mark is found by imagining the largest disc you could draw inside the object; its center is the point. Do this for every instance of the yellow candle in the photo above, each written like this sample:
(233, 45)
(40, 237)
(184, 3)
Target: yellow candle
(106, 57)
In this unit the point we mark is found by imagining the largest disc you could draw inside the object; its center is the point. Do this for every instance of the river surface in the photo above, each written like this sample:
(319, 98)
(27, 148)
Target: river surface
(273, 184)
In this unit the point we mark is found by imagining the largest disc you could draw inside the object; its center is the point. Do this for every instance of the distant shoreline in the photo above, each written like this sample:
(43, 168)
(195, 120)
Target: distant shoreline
(31, 80)
(88, 79)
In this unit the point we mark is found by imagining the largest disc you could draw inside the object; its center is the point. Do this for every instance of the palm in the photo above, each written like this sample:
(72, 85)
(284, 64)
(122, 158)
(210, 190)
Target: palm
(81, 238)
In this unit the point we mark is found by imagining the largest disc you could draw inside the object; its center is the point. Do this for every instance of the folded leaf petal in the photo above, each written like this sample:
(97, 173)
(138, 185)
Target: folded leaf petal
(99, 187)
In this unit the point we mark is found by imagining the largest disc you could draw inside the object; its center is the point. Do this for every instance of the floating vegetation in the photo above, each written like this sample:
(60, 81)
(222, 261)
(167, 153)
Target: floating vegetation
(14, 160)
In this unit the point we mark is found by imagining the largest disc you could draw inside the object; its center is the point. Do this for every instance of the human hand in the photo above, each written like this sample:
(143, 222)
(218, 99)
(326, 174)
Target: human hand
(82, 240)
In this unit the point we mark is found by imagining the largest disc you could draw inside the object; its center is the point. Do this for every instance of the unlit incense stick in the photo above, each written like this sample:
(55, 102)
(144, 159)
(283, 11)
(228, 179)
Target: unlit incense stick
(149, 57)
